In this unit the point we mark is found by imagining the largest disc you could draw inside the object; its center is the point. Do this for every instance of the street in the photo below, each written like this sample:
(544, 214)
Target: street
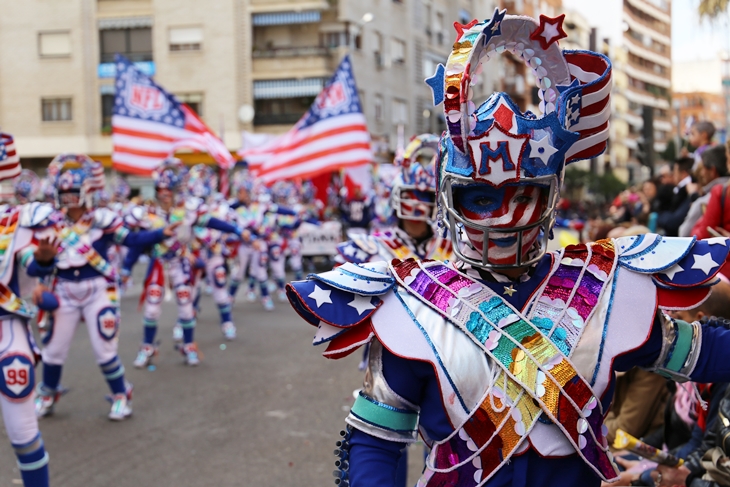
(264, 410)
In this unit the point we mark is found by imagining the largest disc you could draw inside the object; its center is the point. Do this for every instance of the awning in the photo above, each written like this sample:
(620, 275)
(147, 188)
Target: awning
(287, 88)
(125, 23)
(286, 18)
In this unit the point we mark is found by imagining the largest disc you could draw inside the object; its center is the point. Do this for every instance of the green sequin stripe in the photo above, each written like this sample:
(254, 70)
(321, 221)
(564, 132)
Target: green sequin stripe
(383, 415)
(682, 346)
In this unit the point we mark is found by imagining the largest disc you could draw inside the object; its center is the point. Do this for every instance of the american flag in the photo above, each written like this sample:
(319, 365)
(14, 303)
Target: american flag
(332, 135)
(150, 124)
(9, 160)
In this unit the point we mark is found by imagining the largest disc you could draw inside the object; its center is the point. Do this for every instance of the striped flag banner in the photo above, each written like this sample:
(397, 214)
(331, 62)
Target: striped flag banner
(9, 159)
(150, 124)
(332, 135)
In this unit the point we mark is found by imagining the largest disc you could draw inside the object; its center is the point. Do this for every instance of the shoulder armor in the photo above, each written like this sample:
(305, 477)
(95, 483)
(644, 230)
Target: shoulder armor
(651, 253)
(354, 253)
(36, 215)
(340, 303)
(105, 218)
(137, 217)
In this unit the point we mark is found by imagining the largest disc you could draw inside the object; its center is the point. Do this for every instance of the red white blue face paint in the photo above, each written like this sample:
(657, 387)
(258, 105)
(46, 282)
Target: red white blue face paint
(504, 208)
(417, 205)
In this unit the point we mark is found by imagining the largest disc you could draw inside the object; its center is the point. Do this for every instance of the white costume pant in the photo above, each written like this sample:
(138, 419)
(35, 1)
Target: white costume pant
(259, 262)
(93, 300)
(242, 261)
(294, 246)
(17, 381)
(178, 278)
(277, 263)
(215, 268)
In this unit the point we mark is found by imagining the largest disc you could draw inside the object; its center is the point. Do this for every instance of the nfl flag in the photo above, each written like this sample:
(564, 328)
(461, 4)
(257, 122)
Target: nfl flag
(332, 135)
(149, 124)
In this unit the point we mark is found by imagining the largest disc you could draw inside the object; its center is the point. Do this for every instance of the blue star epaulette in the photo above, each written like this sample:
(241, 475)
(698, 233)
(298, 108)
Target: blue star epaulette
(699, 267)
(335, 307)
(651, 253)
(354, 253)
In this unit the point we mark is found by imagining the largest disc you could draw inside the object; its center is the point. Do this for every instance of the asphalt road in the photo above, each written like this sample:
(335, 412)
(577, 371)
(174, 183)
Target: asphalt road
(264, 410)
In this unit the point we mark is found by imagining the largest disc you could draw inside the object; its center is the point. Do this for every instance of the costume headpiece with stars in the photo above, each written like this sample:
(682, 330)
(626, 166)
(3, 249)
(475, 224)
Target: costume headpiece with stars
(496, 144)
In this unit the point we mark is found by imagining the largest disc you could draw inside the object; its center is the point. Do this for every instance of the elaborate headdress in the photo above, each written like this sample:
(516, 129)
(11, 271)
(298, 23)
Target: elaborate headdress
(201, 181)
(76, 178)
(497, 145)
(413, 194)
(27, 186)
(169, 175)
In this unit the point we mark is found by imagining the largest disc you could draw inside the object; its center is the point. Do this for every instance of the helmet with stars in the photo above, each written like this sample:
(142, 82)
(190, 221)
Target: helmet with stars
(201, 181)
(169, 175)
(501, 169)
(413, 195)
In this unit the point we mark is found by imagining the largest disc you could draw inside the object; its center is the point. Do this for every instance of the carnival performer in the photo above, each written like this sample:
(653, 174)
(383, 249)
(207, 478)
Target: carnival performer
(85, 282)
(24, 248)
(504, 358)
(212, 247)
(413, 202)
(171, 260)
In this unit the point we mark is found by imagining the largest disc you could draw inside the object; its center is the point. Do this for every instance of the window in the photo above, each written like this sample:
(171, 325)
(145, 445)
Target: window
(107, 109)
(427, 19)
(400, 112)
(378, 105)
(397, 51)
(54, 44)
(56, 109)
(281, 111)
(193, 100)
(186, 38)
(333, 39)
(439, 28)
(429, 68)
(135, 44)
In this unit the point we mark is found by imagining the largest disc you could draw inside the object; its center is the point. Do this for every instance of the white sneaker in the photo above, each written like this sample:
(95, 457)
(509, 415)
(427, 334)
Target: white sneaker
(144, 356)
(268, 303)
(44, 404)
(229, 330)
(190, 350)
(251, 296)
(121, 408)
(177, 334)
(281, 294)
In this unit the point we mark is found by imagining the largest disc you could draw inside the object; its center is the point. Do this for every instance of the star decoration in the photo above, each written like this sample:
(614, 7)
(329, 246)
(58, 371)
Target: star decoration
(360, 255)
(461, 28)
(509, 291)
(717, 241)
(494, 27)
(361, 304)
(542, 149)
(550, 30)
(320, 296)
(349, 251)
(436, 83)
(704, 263)
(673, 270)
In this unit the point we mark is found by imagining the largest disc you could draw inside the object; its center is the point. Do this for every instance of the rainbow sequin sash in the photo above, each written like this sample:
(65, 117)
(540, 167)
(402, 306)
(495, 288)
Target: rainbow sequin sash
(534, 375)
(70, 240)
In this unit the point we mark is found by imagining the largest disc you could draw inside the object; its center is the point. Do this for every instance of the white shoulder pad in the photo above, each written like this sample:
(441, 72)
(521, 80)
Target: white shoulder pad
(372, 280)
(651, 253)
(136, 217)
(104, 218)
(193, 203)
(35, 214)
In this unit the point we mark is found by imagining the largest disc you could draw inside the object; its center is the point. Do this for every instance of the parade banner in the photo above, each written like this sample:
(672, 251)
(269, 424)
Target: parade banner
(150, 124)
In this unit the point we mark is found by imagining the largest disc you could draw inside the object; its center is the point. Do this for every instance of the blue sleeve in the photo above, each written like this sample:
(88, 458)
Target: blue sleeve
(713, 365)
(373, 461)
(280, 210)
(143, 238)
(130, 259)
(222, 226)
(34, 269)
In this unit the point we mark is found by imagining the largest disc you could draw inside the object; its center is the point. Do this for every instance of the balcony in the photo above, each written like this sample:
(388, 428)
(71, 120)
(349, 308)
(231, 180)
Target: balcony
(293, 62)
(109, 70)
(285, 52)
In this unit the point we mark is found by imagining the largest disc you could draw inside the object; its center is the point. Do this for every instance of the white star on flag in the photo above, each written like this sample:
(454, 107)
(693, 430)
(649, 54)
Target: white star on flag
(361, 304)
(321, 296)
(704, 263)
(673, 270)
(547, 149)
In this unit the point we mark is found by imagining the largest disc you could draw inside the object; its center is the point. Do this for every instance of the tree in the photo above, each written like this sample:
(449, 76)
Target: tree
(712, 8)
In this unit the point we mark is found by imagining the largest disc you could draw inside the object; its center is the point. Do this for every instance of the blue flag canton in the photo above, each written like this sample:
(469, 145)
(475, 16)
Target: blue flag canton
(137, 96)
(338, 97)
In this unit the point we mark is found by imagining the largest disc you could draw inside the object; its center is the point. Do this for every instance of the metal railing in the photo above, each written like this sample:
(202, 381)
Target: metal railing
(278, 52)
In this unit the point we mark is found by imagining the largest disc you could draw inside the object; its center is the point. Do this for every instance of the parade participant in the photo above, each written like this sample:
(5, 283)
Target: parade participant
(504, 358)
(202, 183)
(21, 228)
(252, 253)
(413, 202)
(85, 282)
(27, 187)
(171, 259)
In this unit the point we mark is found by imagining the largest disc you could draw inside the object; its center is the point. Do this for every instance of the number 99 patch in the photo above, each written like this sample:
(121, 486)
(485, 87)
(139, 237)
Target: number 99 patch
(17, 376)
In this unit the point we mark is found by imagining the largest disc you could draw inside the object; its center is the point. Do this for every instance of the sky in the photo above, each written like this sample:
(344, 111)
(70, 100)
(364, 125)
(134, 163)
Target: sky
(691, 39)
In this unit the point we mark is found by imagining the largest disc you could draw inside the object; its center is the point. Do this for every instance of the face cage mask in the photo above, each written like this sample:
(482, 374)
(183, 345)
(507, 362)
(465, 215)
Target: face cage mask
(70, 199)
(399, 201)
(457, 222)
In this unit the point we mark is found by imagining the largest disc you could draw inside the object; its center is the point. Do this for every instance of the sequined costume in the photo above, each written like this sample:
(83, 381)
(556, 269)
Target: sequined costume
(504, 359)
